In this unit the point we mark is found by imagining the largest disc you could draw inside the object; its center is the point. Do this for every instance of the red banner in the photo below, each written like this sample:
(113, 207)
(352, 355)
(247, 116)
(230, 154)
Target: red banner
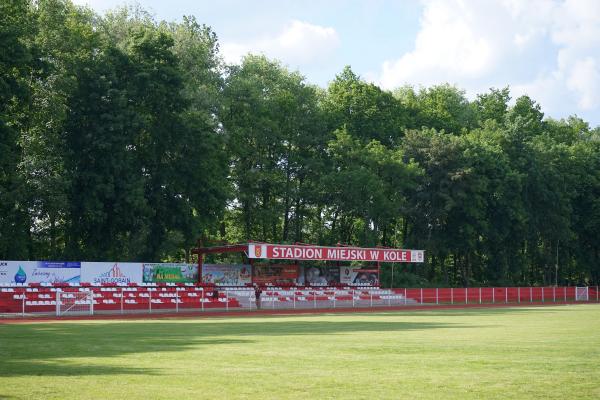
(296, 252)
(274, 273)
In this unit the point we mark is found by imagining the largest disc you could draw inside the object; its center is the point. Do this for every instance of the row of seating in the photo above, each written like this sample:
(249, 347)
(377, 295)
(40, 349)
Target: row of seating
(366, 297)
(49, 306)
(100, 295)
(42, 298)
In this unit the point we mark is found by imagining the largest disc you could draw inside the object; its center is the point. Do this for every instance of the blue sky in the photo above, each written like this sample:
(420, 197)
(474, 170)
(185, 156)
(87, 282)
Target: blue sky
(549, 49)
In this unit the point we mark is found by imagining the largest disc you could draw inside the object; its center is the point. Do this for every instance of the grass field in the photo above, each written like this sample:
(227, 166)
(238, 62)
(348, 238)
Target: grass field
(522, 353)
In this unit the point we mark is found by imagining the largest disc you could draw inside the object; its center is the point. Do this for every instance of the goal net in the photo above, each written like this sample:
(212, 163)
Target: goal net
(74, 303)
(581, 294)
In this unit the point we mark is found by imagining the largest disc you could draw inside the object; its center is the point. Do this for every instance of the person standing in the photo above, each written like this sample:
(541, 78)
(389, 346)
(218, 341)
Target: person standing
(257, 293)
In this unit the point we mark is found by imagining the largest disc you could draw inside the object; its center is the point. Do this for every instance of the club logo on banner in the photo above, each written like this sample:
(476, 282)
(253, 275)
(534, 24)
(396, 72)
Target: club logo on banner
(257, 251)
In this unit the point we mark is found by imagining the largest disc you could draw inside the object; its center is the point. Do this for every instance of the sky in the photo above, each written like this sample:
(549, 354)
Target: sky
(547, 49)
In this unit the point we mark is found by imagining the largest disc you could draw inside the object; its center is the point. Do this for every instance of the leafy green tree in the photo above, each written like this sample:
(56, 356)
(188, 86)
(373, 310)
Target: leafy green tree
(271, 118)
(366, 111)
(441, 107)
(204, 166)
(16, 62)
(63, 42)
(492, 105)
(364, 192)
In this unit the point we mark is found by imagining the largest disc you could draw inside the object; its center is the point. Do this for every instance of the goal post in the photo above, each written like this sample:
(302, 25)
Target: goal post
(74, 303)
(581, 293)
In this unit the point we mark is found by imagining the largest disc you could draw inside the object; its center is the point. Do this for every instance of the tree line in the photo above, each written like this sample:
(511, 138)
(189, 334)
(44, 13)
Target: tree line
(127, 138)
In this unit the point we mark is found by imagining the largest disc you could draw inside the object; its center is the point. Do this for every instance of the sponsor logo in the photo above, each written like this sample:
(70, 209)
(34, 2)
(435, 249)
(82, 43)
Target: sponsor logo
(168, 274)
(20, 276)
(113, 275)
(257, 251)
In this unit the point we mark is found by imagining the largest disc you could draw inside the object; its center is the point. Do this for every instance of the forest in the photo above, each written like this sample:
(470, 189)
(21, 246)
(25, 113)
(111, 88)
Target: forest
(127, 138)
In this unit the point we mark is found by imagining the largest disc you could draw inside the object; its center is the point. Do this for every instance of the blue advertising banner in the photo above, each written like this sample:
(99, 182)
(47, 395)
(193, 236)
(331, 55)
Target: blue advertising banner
(56, 272)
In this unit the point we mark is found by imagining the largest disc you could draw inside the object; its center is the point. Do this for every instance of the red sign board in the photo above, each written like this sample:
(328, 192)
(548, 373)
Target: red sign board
(298, 252)
(274, 273)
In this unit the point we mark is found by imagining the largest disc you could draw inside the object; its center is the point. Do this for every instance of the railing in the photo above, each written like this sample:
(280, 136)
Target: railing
(127, 300)
(499, 295)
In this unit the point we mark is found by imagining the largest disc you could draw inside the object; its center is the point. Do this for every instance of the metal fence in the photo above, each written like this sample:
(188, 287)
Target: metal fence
(174, 299)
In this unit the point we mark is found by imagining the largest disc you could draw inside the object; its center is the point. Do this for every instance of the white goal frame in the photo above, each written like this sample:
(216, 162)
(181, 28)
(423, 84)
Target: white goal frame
(581, 293)
(74, 303)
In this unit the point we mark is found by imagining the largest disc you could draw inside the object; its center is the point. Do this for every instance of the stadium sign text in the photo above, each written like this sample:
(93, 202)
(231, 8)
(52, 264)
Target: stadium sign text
(296, 252)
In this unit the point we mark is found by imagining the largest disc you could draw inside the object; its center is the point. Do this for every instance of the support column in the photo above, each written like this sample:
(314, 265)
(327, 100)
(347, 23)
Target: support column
(200, 261)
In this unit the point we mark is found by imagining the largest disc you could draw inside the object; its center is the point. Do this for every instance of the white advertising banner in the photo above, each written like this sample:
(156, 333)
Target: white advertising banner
(227, 274)
(360, 275)
(12, 272)
(16, 271)
(98, 273)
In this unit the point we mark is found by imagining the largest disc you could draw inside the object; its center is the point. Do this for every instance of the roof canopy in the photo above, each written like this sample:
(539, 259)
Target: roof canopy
(310, 252)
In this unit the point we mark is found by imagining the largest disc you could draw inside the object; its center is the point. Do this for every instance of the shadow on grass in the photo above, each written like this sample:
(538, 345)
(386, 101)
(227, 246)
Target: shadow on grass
(46, 349)
(485, 311)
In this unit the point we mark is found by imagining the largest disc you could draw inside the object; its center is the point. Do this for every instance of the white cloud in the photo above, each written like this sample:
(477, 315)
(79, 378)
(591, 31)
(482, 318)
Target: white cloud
(547, 49)
(299, 43)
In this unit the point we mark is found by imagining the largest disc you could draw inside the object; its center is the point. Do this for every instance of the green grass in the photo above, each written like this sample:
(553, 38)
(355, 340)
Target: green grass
(521, 353)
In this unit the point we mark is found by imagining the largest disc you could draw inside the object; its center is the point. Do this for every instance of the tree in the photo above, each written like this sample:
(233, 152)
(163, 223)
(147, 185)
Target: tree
(364, 191)
(492, 105)
(366, 111)
(441, 107)
(16, 30)
(271, 117)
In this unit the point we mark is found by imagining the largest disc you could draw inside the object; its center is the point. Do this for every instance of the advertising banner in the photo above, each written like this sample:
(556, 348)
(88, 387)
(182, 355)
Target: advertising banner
(39, 272)
(321, 275)
(263, 273)
(227, 274)
(360, 275)
(56, 272)
(98, 273)
(16, 271)
(295, 252)
(169, 273)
